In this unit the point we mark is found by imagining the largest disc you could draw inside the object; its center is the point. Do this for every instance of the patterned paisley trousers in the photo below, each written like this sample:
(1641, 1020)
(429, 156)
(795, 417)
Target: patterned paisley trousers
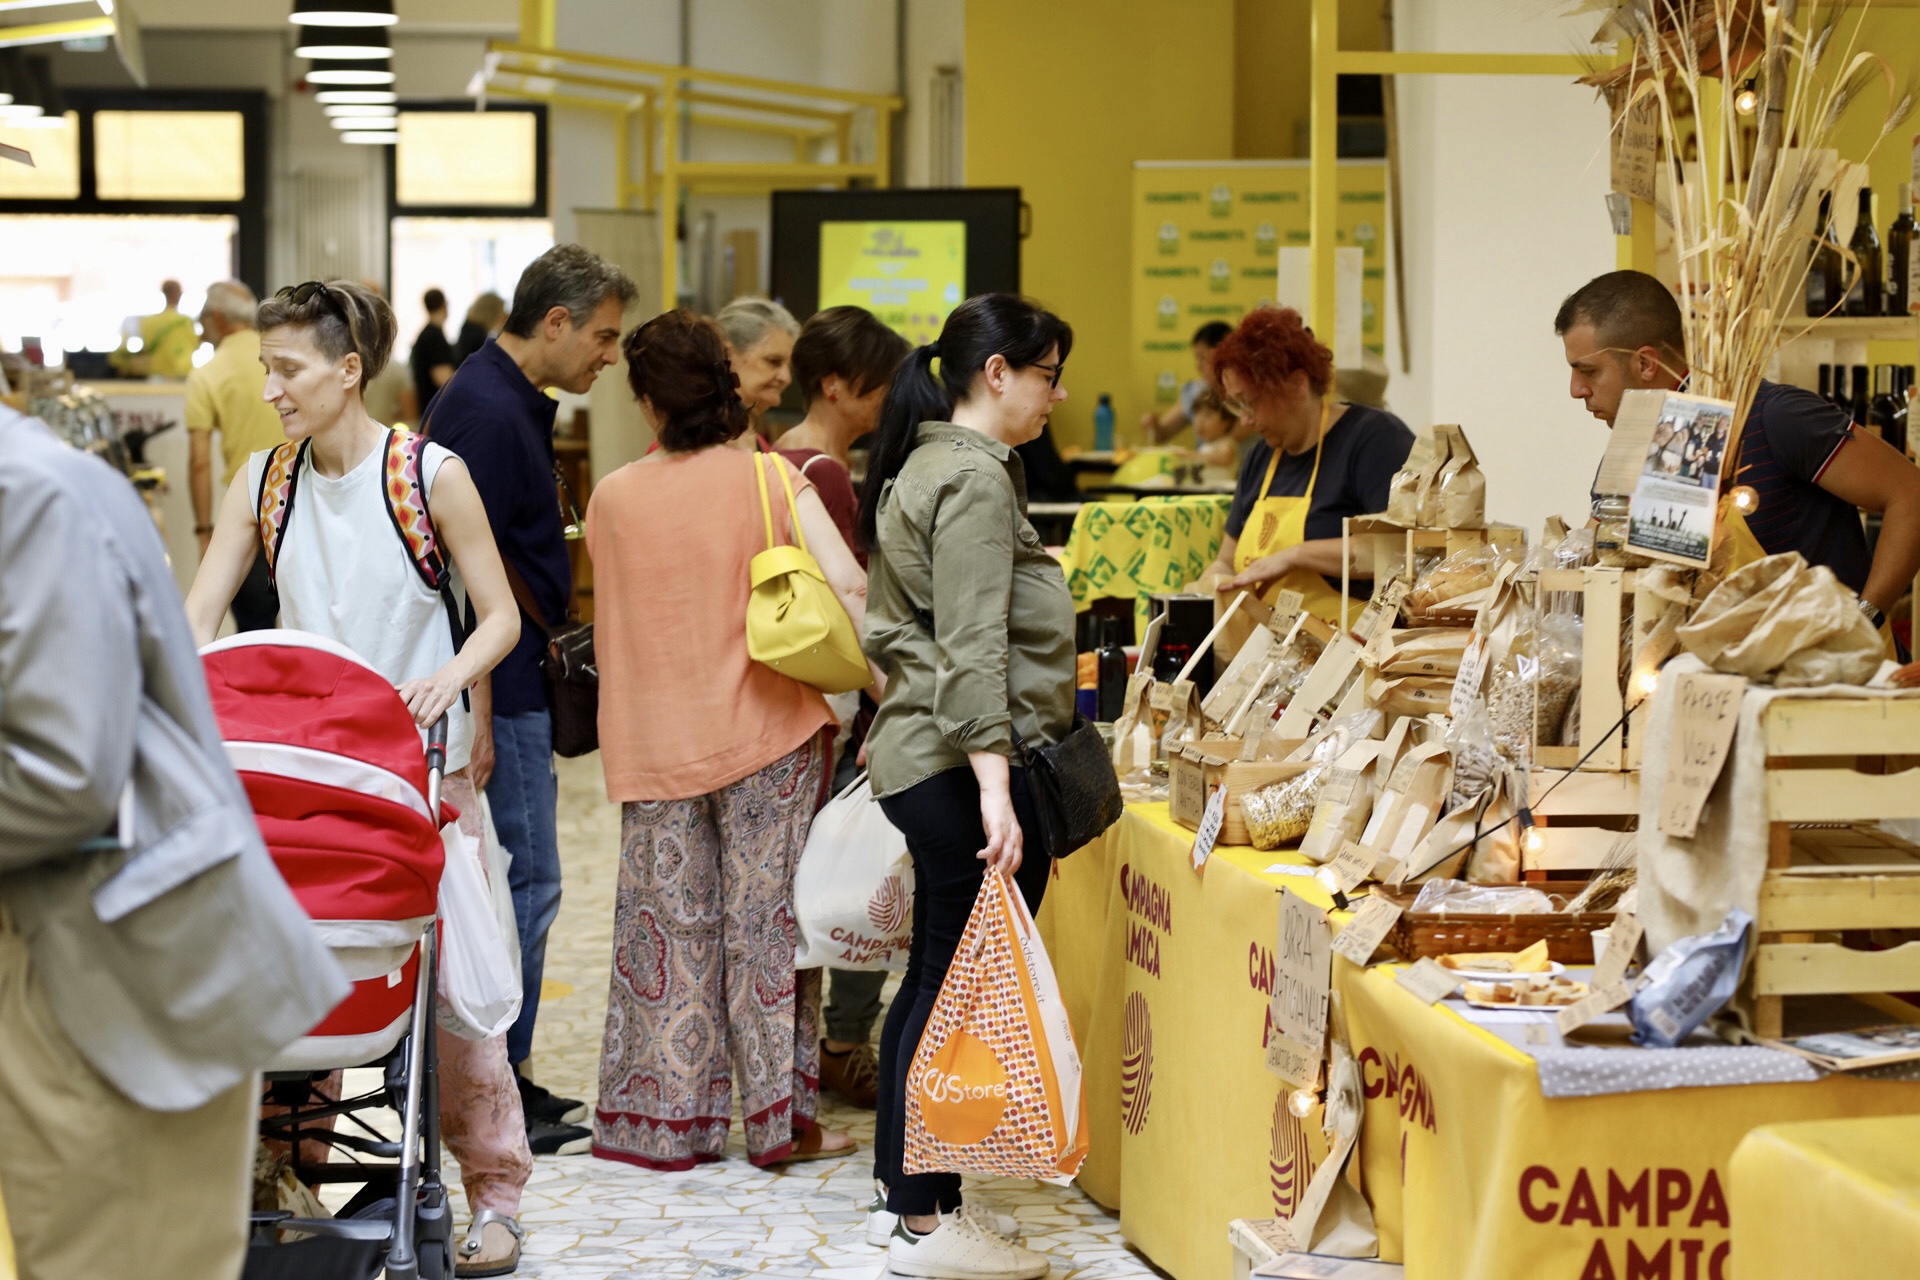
(703, 986)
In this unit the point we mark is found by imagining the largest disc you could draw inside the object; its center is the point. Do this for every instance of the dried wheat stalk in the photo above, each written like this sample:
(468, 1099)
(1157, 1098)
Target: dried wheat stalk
(1743, 240)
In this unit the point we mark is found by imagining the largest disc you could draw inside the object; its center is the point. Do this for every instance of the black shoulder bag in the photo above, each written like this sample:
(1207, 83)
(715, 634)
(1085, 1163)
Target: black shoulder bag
(1076, 794)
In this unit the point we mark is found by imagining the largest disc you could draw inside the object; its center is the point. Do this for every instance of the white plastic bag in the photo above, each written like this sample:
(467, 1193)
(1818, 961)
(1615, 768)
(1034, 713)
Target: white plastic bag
(499, 860)
(853, 889)
(479, 974)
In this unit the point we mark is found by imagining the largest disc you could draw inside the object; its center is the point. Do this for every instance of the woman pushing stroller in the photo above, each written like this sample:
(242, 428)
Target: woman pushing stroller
(341, 512)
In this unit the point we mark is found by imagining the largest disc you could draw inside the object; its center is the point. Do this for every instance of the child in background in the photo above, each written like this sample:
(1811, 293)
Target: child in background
(1222, 438)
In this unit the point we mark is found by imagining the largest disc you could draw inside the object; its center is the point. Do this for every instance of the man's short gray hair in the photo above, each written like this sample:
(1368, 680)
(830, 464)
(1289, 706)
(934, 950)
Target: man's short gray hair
(233, 302)
(746, 320)
(570, 276)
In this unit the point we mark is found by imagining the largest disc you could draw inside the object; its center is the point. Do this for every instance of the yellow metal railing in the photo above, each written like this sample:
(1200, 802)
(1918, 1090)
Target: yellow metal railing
(658, 96)
(1330, 62)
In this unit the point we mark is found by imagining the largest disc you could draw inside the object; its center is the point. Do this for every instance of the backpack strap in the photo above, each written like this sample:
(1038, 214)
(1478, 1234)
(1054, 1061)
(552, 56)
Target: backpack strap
(406, 493)
(279, 481)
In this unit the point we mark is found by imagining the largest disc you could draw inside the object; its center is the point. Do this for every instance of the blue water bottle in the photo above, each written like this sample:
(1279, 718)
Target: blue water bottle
(1103, 425)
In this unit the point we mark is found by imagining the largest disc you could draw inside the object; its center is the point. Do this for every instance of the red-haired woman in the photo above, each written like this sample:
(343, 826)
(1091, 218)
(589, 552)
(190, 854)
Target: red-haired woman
(1317, 461)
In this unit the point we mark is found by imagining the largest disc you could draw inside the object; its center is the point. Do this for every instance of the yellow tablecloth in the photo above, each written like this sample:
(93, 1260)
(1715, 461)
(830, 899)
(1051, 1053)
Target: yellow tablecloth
(1130, 550)
(1189, 1131)
(1828, 1198)
(1472, 1174)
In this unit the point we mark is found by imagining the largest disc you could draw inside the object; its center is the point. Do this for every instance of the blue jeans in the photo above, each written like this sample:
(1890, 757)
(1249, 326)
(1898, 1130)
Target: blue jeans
(523, 794)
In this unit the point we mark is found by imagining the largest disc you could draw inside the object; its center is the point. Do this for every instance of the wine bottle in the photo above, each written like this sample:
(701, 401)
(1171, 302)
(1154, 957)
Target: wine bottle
(1112, 680)
(1865, 296)
(1839, 397)
(1826, 383)
(1902, 400)
(1883, 408)
(1823, 273)
(1900, 254)
(1861, 406)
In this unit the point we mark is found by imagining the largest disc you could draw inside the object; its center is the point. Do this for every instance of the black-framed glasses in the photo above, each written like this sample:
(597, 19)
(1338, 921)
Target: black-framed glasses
(301, 294)
(1053, 371)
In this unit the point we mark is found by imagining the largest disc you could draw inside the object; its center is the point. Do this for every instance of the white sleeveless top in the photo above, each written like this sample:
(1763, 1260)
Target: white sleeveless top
(344, 573)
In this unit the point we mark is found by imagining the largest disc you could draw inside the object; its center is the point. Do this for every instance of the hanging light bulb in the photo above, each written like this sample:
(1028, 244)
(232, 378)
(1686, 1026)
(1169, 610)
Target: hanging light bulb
(1746, 499)
(332, 72)
(1647, 683)
(367, 96)
(1301, 1103)
(353, 44)
(1747, 101)
(343, 13)
(1536, 843)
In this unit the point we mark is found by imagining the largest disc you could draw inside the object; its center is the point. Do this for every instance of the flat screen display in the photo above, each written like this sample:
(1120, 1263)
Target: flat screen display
(908, 256)
(909, 274)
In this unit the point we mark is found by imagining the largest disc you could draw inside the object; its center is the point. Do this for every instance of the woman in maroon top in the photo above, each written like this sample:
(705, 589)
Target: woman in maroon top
(843, 361)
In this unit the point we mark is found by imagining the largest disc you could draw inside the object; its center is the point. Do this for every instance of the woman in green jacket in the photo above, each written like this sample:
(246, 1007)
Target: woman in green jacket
(972, 623)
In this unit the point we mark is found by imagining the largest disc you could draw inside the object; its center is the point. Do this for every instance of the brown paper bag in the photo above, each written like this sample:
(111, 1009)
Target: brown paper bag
(1461, 487)
(1410, 695)
(1784, 622)
(1133, 736)
(1186, 722)
(1407, 491)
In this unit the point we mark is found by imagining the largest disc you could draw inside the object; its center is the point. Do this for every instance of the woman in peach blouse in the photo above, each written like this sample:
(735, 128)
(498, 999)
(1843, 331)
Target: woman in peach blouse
(719, 764)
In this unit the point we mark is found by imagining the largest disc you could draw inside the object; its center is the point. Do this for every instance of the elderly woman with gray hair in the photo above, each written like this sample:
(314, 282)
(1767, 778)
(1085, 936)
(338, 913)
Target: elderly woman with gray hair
(759, 334)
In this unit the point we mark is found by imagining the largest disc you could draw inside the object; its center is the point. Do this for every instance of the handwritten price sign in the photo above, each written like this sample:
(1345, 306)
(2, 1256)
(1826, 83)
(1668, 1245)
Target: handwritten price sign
(1706, 710)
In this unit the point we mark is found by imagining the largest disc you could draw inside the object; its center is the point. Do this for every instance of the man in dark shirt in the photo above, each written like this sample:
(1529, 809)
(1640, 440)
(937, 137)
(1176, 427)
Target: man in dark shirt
(563, 330)
(432, 359)
(1812, 469)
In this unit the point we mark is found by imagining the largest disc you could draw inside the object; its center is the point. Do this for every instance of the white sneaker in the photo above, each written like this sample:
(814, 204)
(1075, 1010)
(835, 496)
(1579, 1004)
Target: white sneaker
(880, 1222)
(960, 1250)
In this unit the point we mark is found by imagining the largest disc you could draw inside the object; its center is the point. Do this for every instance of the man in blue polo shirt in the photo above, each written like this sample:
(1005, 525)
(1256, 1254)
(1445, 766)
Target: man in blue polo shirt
(1813, 469)
(495, 414)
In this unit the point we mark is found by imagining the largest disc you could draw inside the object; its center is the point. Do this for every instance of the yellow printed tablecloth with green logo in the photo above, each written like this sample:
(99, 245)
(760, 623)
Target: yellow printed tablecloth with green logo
(1168, 974)
(1470, 1171)
(1828, 1198)
(1131, 550)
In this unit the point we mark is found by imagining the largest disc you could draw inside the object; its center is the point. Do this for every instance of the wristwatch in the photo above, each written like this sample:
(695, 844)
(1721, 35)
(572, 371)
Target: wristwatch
(1874, 615)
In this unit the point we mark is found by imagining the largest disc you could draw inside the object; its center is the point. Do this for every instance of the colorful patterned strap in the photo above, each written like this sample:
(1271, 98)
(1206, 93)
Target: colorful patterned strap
(406, 492)
(275, 499)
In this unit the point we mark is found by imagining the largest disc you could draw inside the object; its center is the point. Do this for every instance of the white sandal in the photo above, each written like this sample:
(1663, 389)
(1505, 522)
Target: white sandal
(468, 1262)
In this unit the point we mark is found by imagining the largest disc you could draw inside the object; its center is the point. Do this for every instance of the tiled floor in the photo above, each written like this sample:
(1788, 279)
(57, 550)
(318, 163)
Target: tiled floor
(590, 1219)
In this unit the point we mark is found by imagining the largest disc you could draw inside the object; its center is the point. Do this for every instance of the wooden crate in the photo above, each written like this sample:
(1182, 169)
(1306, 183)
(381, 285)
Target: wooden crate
(1839, 876)
(1394, 546)
(1194, 771)
(1577, 827)
(1613, 604)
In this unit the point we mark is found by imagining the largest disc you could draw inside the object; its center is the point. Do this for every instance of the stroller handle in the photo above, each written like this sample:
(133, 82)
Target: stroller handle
(437, 745)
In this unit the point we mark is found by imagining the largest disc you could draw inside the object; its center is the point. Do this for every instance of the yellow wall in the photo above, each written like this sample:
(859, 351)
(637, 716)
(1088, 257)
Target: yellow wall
(1271, 96)
(1062, 96)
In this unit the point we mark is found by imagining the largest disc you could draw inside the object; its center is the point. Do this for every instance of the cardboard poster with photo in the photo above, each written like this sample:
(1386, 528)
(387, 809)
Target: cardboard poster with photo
(1676, 496)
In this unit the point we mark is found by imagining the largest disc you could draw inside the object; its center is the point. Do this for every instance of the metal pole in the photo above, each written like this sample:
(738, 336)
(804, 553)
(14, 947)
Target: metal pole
(1324, 197)
(1390, 103)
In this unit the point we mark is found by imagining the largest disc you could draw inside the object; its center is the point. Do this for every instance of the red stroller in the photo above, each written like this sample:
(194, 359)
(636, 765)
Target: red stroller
(350, 808)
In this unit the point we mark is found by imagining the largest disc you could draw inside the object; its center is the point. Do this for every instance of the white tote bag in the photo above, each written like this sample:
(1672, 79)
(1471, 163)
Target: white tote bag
(853, 890)
(479, 972)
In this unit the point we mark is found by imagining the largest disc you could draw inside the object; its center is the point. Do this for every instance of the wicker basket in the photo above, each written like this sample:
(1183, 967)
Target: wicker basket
(1569, 937)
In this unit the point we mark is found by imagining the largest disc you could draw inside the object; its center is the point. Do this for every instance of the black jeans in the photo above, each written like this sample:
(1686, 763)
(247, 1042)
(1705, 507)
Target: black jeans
(941, 821)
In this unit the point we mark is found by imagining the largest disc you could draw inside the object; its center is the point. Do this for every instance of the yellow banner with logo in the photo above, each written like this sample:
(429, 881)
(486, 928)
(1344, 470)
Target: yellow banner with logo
(1471, 1172)
(1131, 550)
(1206, 246)
(1167, 974)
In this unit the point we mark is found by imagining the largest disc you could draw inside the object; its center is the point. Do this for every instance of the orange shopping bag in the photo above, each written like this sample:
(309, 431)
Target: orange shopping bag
(995, 1085)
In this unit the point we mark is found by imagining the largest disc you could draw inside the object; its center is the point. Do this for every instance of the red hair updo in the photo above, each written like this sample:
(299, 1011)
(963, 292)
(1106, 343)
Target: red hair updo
(1269, 347)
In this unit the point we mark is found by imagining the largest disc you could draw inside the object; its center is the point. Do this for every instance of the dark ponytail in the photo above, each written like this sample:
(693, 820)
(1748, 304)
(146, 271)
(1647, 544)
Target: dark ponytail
(988, 325)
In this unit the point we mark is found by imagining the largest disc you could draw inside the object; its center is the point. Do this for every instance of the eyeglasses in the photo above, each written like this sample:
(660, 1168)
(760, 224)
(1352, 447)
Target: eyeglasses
(301, 294)
(1052, 371)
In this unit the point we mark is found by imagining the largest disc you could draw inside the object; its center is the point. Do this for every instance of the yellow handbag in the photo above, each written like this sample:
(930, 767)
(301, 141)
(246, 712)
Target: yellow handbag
(795, 624)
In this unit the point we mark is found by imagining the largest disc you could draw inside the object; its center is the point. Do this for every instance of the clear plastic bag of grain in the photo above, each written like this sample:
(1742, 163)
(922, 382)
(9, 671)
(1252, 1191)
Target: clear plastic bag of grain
(1280, 813)
(1476, 760)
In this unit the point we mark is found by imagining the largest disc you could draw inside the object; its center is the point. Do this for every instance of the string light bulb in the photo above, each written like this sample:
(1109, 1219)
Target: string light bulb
(1536, 843)
(1301, 1103)
(1746, 499)
(1747, 101)
(1647, 683)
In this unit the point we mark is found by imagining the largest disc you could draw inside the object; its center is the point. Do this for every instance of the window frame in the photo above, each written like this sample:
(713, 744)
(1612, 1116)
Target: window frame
(249, 212)
(542, 185)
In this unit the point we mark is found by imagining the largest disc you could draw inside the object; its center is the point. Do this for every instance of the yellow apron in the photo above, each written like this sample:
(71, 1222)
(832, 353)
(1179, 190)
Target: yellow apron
(1275, 524)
